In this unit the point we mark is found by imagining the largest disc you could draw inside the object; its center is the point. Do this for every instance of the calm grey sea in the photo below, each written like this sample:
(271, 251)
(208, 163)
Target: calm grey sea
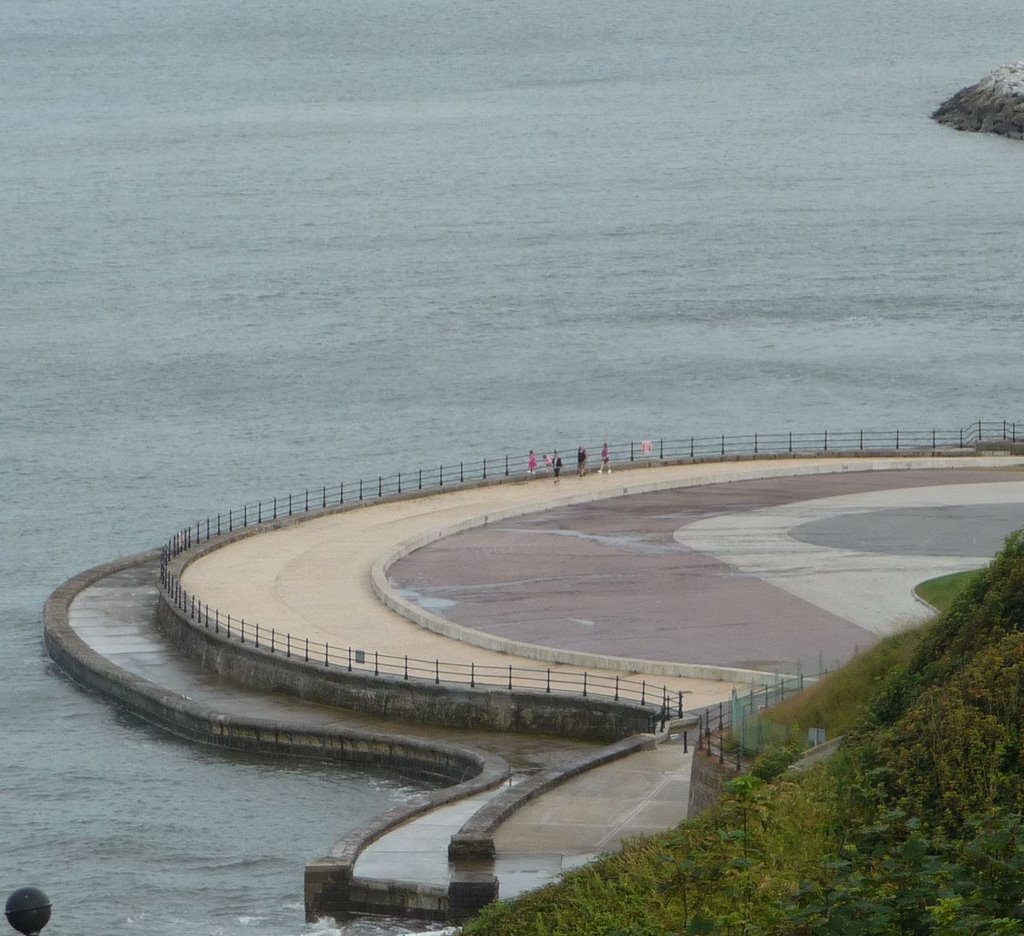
(250, 247)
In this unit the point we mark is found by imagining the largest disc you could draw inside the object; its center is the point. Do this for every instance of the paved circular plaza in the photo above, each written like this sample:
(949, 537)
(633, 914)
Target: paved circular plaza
(770, 574)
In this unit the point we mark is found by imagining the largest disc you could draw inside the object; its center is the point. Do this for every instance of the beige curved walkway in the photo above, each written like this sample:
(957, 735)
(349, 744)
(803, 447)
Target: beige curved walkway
(314, 578)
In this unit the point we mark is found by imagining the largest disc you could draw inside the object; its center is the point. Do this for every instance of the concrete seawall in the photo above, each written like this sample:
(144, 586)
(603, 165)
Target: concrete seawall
(445, 705)
(178, 715)
(330, 887)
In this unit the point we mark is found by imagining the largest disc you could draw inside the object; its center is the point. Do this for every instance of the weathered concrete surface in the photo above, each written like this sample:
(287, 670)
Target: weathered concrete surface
(769, 574)
(993, 105)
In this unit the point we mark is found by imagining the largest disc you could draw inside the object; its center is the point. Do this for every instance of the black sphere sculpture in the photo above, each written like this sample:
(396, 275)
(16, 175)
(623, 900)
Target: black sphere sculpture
(28, 910)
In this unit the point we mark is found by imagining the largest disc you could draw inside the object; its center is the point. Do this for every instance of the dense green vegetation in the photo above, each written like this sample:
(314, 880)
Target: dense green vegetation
(915, 827)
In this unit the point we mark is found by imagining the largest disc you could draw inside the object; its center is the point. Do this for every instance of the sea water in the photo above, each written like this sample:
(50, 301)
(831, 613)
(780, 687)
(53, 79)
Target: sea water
(250, 248)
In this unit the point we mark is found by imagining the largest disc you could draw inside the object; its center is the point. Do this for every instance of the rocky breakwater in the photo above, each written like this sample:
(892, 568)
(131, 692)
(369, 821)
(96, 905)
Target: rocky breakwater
(993, 105)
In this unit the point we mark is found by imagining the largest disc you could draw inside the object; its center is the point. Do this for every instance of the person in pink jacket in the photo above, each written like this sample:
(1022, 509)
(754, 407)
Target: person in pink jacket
(531, 462)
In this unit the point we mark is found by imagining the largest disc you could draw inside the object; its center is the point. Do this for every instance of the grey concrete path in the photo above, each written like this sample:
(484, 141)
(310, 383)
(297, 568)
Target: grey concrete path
(589, 815)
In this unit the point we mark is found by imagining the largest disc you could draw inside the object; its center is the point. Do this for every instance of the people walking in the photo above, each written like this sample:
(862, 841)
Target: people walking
(605, 460)
(558, 465)
(531, 463)
(581, 461)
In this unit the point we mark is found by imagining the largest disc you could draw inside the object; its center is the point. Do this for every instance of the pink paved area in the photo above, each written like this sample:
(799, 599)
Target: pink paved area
(608, 577)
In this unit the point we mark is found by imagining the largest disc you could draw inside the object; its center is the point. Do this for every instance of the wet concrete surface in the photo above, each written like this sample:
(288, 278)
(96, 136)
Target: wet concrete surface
(117, 617)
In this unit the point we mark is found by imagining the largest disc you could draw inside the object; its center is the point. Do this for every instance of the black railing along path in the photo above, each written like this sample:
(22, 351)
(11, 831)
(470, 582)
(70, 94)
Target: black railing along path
(679, 450)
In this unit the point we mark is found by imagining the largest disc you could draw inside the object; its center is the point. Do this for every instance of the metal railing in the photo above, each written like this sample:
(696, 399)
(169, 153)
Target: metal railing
(679, 450)
(323, 655)
(732, 732)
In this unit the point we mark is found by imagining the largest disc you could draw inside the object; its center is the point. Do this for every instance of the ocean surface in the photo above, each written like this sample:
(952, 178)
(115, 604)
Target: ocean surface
(253, 247)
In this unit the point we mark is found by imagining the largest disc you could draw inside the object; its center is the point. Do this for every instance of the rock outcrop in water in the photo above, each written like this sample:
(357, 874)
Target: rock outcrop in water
(993, 105)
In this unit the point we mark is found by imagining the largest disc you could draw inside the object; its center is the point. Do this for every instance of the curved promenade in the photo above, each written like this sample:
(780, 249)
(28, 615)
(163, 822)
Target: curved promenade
(326, 578)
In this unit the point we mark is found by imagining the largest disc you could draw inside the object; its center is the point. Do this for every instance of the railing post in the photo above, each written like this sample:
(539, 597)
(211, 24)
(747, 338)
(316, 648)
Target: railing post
(472, 675)
(360, 488)
(257, 635)
(350, 659)
(327, 654)
(229, 627)
(440, 476)
(307, 649)
(241, 631)
(399, 482)
(485, 469)
(259, 511)
(307, 500)
(289, 505)
(376, 663)
(755, 443)
(288, 644)
(631, 456)
(584, 684)
(691, 446)
(661, 449)
(462, 473)
(791, 443)
(862, 440)
(273, 635)
(933, 440)
(643, 692)
(723, 444)
(421, 480)
(406, 675)
(548, 688)
(616, 687)
(510, 677)
(324, 504)
(275, 509)
(437, 672)
(826, 440)
(341, 493)
(380, 485)
(897, 440)
(506, 466)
